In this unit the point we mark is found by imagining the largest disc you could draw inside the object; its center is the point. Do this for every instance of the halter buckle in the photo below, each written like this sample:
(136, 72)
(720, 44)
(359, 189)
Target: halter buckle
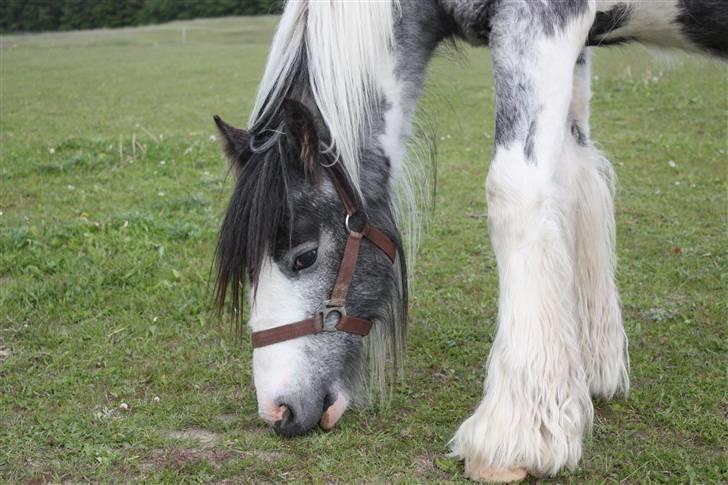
(327, 308)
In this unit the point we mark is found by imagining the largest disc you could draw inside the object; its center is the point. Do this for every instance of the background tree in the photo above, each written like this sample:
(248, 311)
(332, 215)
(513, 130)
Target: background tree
(44, 15)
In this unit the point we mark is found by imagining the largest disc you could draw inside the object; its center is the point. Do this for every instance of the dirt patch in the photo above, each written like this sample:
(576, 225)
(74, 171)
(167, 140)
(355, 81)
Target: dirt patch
(4, 352)
(266, 456)
(660, 314)
(435, 467)
(179, 457)
(206, 438)
(424, 464)
(227, 418)
(254, 429)
(216, 457)
(602, 412)
(206, 450)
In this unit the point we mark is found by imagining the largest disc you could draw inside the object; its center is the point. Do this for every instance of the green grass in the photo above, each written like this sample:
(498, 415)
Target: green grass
(105, 256)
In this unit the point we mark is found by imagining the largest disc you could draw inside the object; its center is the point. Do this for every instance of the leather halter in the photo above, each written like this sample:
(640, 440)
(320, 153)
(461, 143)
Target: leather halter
(358, 228)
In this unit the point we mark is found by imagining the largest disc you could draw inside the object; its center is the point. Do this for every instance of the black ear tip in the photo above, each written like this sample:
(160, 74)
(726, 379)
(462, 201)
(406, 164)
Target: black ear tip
(218, 121)
(236, 142)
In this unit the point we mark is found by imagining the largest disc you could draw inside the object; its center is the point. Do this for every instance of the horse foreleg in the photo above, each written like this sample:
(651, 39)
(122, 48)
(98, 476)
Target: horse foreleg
(536, 404)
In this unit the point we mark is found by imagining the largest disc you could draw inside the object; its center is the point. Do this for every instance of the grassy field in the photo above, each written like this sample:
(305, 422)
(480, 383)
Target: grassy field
(111, 191)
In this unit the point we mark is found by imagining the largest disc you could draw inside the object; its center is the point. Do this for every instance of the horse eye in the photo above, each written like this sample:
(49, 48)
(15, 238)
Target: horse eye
(305, 260)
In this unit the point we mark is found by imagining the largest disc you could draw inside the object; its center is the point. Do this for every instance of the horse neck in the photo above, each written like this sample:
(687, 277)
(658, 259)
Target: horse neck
(401, 77)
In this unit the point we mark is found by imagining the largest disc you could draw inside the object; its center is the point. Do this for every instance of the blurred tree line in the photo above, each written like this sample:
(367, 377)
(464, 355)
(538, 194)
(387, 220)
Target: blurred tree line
(44, 15)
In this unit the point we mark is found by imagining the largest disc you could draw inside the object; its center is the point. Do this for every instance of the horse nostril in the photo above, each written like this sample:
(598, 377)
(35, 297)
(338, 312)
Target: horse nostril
(297, 417)
(328, 401)
(285, 420)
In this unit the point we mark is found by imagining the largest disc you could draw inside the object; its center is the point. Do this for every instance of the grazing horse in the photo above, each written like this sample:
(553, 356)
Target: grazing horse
(311, 235)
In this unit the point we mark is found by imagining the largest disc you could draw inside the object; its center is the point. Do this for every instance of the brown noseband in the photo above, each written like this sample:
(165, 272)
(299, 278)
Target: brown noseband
(358, 228)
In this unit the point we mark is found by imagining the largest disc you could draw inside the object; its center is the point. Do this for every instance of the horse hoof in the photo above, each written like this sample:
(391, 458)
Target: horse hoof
(495, 474)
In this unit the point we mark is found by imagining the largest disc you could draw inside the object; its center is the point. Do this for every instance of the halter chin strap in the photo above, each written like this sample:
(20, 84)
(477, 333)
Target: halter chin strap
(334, 309)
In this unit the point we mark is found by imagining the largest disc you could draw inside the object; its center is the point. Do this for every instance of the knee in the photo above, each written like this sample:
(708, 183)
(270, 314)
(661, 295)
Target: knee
(515, 185)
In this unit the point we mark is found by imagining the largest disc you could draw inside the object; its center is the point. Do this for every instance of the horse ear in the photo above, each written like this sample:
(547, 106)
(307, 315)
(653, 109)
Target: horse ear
(303, 134)
(236, 142)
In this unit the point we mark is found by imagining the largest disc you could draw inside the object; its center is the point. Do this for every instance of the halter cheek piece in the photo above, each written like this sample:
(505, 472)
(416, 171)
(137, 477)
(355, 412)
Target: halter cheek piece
(358, 228)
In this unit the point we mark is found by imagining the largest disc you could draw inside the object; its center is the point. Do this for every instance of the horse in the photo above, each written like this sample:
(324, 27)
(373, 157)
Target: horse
(312, 239)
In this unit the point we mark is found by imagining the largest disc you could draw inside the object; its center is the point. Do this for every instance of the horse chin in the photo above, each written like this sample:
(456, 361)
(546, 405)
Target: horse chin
(333, 413)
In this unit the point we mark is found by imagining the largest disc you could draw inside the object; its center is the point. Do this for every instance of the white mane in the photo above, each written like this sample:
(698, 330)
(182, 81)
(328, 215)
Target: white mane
(344, 42)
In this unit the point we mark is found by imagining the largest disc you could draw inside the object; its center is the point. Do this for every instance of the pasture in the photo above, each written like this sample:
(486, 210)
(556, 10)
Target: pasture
(112, 187)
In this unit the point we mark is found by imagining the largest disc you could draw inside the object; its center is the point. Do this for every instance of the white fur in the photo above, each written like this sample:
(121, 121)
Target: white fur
(602, 336)
(601, 333)
(279, 369)
(345, 43)
(396, 122)
(408, 181)
(536, 405)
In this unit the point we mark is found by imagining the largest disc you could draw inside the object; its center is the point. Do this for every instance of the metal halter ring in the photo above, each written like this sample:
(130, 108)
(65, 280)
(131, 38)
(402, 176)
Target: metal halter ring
(349, 219)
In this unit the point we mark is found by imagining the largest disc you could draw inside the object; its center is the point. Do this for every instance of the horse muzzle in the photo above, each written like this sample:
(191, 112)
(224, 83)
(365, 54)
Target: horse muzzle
(294, 416)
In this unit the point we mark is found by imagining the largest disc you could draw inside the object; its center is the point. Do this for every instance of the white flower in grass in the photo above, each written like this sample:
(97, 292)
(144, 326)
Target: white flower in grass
(213, 138)
(672, 163)
(124, 406)
(156, 399)
(163, 162)
(104, 413)
(161, 194)
(51, 150)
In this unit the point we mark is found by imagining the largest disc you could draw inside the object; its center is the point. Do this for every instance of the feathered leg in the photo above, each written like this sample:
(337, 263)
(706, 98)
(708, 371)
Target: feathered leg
(536, 405)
